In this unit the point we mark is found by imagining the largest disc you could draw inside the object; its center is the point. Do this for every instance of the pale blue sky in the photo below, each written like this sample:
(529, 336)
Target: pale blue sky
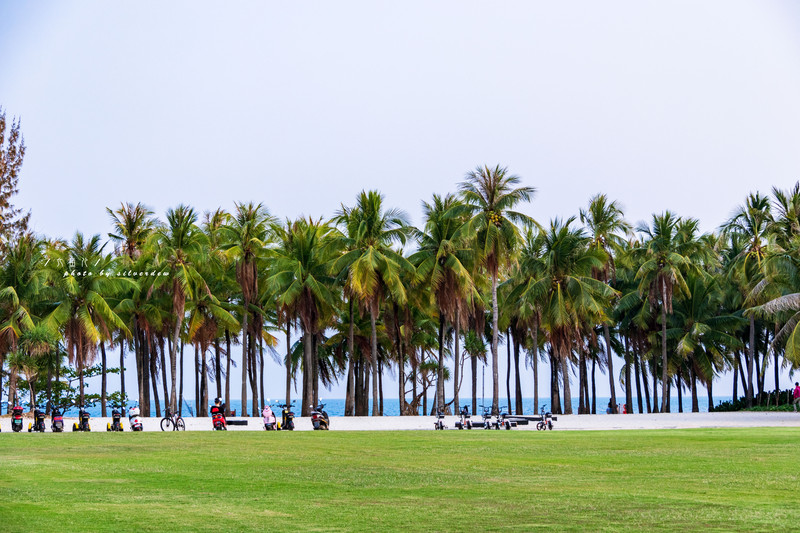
(686, 106)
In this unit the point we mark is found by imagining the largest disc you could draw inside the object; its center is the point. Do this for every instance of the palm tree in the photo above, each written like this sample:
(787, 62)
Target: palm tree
(300, 276)
(605, 222)
(82, 308)
(372, 267)
(443, 262)
(491, 196)
(181, 248)
(246, 235)
(754, 222)
(660, 273)
(563, 287)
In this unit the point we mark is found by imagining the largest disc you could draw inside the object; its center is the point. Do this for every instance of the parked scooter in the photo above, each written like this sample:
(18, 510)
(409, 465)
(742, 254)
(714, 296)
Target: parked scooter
(218, 416)
(287, 417)
(465, 422)
(502, 421)
(16, 418)
(116, 423)
(270, 422)
(439, 423)
(134, 419)
(547, 420)
(38, 420)
(83, 420)
(56, 419)
(487, 418)
(319, 418)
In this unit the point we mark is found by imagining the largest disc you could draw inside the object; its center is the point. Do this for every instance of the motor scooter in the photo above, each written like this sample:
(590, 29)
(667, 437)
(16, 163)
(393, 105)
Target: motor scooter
(116, 423)
(502, 421)
(439, 424)
(218, 418)
(270, 422)
(16, 418)
(287, 417)
(319, 418)
(547, 420)
(83, 420)
(38, 420)
(135, 420)
(487, 418)
(56, 419)
(464, 422)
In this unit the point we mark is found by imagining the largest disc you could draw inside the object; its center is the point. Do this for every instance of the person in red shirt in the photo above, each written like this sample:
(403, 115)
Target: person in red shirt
(796, 395)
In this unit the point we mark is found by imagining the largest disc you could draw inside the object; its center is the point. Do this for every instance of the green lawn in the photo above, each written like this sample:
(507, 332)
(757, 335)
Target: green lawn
(679, 480)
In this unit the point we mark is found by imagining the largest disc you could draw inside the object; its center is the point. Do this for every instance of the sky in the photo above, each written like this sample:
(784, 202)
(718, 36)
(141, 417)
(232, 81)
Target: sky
(684, 106)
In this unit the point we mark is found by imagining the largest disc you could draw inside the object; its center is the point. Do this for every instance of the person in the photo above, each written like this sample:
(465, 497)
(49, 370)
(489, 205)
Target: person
(218, 409)
(796, 395)
(610, 408)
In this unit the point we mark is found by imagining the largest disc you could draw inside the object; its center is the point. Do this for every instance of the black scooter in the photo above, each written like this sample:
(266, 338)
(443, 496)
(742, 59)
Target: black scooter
(56, 419)
(16, 418)
(83, 420)
(38, 420)
(465, 422)
(319, 418)
(439, 424)
(116, 420)
(502, 421)
(287, 417)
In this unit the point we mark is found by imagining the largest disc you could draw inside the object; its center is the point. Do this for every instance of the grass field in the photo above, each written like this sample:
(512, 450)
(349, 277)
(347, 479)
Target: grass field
(677, 480)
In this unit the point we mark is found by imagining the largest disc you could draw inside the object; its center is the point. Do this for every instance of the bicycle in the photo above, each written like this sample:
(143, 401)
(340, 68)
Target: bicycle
(174, 420)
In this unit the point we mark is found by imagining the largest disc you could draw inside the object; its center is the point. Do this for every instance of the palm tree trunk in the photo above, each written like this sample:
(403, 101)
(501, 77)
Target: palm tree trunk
(680, 393)
(253, 368)
(153, 357)
(308, 371)
(495, 370)
(709, 388)
(655, 383)
(440, 367)
(567, 392)
(246, 313)
(180, 385)
(611, 380)
(203, 384)
(288, 362)
(695, 403)
(751, 351)
(197, 399)
(228, 373)
(508, 370)
(628, 385)
(351, 390)
(401, 363)
(594, 386)
(261, 368)
(474, 361)
(164, 379)
(218, 367)
(664, 380)
(777, 386)
(122, 371)
(374, 362)
(103, 379)
(535, 358)
(637, 373)
(173, 362)
(517, 382)
(457, 364)
(582, 407)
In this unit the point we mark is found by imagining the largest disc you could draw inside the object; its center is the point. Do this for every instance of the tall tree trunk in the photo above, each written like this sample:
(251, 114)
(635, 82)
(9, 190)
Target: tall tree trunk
(680, 395)
(628, 377)
(495, 369)
(351, 347)
(637, 373)
(645, 384)
(173, 361)
(582, 407)
(122, 372)
(288, 399)
(197, 398)
(308, 371)
(735, 382)
(153, 357)
(594, 386)
(374, 361)
(164, 378)
(261, 368)
(695, 403)
(203, 384)
(380, 386)
(103, 379)
(245, 317)
(517, 382)
(565, 377)
(508, 369)
(777, 386)
(227, 373)
(217, 367)
(457, 366)
(535, 360)
(349, 398)
(474, 362)
(655, 383)
(401, 363)
(180, 389)
(315, 374)
(610, 357)
(709, 388)
(440, 367)
(664, 379)
(253, 371)
(750, 359)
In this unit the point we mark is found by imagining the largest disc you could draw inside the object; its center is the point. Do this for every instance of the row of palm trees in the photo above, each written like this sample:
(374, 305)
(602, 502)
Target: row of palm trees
(365, 292)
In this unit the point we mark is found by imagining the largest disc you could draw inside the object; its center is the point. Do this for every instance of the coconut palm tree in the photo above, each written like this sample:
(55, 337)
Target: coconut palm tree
(662, 271)
(82, 309)
(372, 267)
(246, 237)
(301, 277)
(491, 196)
(443, 264)
(606, 224)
